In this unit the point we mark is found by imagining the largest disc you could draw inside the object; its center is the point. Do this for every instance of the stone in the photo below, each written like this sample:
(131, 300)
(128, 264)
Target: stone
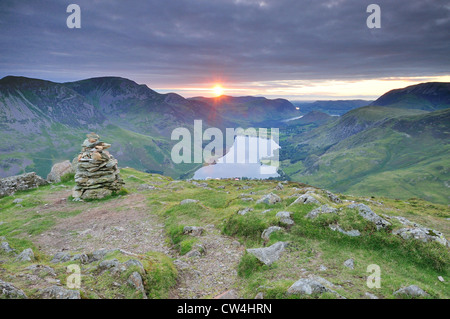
(307, 286)
(8, 291)
(366, 213)
(17, 201)
(259, 295)
(230, 294)
(42, 268)
(285, 218)
(58, 170)
(323, 268)
(26, 255)
(370, 296)
(423, 234)
(61, 257)
(411, 291)
(100, 254)
(108, 264)
(324, 209)
(349, 263)
(267, 232)
(441, 279)
(352, 233)
(135, 281)
(12, 184)
(193, 231)
(306, 198)
(332, 197)
(245, 211)
(279, 187)
(134, 263)
(6, 248)
(97, 173)
(268, 255)
(188, 201)
(269, 199)
(57, 292)
(83, 258)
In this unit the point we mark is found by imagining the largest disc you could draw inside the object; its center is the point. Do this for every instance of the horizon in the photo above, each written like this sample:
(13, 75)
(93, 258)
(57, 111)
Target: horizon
(209, 92)
(297, 50)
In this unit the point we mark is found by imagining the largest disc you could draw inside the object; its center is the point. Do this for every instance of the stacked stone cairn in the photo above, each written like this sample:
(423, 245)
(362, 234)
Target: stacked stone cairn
(97, 174)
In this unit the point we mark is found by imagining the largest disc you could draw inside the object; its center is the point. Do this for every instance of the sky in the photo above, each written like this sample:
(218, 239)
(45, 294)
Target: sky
(295, 49)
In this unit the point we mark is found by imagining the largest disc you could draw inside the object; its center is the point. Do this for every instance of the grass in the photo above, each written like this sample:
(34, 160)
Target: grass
(311, 242)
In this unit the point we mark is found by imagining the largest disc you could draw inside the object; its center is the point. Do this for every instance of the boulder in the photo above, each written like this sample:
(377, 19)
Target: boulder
(307, 286)
(25, 256)
(332, 197)
(349, 263)
(108, 264)
(56, 292)
(267, 232)
(8, 291)
(307, 198)
(135, 281)
(411, 291)
(268, 255)
(245, 210)
(58, 170)
(324, 209)
(193, 230)
(269, 199)
(366, 213)
(6, 248)
(285, 218)
(61, 257)
(12, 184)
(423, 234)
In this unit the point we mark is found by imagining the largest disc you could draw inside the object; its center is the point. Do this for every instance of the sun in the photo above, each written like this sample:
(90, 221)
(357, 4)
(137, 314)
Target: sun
(218, 90)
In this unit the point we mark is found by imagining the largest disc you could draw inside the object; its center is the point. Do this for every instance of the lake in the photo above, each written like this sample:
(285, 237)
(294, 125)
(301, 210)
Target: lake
(243, 160)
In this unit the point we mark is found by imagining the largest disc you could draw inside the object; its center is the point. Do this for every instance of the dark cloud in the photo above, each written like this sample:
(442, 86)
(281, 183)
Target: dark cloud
(180, 42)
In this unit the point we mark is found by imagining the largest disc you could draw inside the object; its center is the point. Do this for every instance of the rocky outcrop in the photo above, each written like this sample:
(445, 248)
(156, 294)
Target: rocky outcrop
(57, 292)
(12, 184)
(269, 199)
(97, 174)
(422, 234)
(324, 209)
(8, 291)
(268, 255)
(58, 170)
(411, 291)
(306, 198)
(366, 213)
(285, 218)
(352, 233)
(26, 256)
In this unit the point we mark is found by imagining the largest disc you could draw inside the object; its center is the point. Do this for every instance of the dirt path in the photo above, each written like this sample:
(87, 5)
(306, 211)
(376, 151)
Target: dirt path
(128, 224)
(212, 273)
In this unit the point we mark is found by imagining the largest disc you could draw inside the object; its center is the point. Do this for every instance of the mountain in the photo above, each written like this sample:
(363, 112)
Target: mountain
(250, 110)
(338, 107)
(429, 96)
(43, 122)
(376, 150)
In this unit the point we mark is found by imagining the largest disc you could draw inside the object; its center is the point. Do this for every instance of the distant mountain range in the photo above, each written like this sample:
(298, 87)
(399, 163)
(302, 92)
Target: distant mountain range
(396, 145)
(389, 150)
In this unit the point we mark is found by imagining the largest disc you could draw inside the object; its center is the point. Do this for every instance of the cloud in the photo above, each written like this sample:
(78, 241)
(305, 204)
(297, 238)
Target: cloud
(179, 42)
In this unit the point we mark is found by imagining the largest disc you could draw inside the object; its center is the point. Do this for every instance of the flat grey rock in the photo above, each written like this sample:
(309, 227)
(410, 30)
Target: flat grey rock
(268, 255)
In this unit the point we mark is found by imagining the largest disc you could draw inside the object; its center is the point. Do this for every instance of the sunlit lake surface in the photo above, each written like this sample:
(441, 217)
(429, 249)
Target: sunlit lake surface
(243, 160)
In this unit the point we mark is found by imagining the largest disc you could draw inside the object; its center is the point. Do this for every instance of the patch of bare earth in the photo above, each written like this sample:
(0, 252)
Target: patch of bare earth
(212, 273)
(124, 223)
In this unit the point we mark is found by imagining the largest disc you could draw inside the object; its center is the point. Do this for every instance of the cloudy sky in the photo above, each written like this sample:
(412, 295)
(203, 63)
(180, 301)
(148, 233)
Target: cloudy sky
(297, 49)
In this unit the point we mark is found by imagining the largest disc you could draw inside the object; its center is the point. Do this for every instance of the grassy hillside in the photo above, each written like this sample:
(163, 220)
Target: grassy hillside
(47, 221)
(366, 152)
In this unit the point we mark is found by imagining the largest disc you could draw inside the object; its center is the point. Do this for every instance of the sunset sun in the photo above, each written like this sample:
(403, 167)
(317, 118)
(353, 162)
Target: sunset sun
(218, 90)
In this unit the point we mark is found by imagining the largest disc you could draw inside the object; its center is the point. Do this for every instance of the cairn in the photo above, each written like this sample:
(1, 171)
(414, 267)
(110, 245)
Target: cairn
(97, 174)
